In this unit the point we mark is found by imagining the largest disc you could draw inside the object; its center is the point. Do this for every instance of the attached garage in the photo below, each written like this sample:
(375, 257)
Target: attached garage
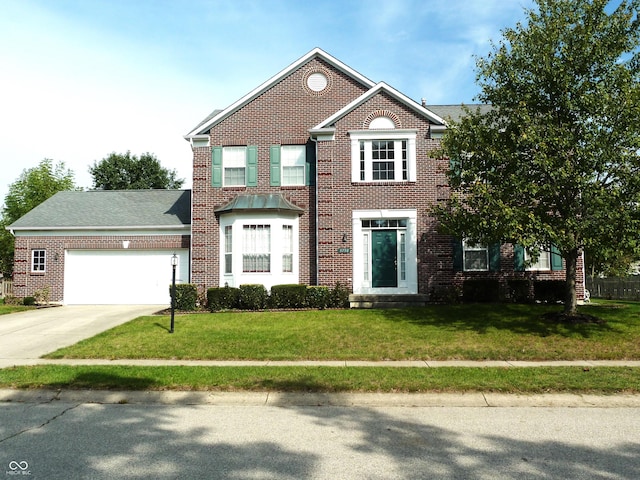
(122, 276)
(104, 246)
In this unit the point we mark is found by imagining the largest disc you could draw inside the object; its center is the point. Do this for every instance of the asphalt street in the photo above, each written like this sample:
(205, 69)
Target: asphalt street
(63, 440)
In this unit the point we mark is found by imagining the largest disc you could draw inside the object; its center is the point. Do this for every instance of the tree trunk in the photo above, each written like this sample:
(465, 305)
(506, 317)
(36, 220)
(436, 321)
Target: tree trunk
(571, 301)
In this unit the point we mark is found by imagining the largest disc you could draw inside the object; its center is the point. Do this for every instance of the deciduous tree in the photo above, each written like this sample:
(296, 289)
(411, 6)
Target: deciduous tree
(129, 172)
(33, 187)
(555, 161)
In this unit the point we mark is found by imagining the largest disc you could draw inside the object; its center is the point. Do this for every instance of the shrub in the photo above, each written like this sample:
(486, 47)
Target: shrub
(11, 300)
(29, 301)
(485, 290)
(549, 291)
(339, 297)
(445, 294)
(288, 296)
(223, 298)
(318, 297)
(186, 296)
(253, 297)
(519, 291)
(43, 296)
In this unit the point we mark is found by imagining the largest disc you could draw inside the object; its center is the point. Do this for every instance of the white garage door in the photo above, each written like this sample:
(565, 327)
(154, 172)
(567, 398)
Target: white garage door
(133, 277)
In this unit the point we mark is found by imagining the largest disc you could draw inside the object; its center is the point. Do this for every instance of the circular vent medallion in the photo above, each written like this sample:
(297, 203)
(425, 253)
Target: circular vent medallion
(317, 81)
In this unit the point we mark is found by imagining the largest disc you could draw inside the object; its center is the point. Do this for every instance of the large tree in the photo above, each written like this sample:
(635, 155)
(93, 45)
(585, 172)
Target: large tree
(33, 187)
(129, 172)
(555, 161)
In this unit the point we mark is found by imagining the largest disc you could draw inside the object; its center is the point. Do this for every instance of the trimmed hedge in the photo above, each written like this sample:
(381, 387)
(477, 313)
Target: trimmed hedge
(253, 297)
(519, 291)
(318, 297)
(288, 296)
(223, 298)
(186, 296)
(549, 291)
(487, 290)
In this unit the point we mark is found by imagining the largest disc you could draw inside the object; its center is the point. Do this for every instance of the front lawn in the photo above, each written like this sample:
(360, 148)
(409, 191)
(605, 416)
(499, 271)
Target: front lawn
(597, 380)
(4, 308)
(438, 332)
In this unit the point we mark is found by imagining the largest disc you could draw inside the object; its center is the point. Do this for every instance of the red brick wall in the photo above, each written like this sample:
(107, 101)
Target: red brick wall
(282, 115)
(25, 283)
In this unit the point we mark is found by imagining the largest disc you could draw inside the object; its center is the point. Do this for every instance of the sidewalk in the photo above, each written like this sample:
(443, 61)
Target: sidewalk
(10, 362)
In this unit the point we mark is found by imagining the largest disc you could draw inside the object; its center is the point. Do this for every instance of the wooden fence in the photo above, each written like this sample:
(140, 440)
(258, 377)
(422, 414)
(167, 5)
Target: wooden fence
(6, 287)
(614, 288)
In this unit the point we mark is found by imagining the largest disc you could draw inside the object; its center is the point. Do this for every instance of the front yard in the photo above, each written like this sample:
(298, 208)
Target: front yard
(470, 332)
(476, 332)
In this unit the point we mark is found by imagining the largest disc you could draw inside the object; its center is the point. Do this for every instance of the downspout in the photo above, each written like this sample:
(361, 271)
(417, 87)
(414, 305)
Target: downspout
(315, 140)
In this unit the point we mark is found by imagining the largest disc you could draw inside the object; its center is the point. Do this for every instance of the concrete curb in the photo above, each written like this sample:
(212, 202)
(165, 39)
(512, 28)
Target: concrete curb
(282, 399)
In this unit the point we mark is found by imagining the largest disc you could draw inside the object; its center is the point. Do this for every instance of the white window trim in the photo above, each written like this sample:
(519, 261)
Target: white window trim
(284, 164)
(226, 163)
(362, 278)
(392, 134)
(276, 276)
(43, 263)
(537, 267)
(474, 248)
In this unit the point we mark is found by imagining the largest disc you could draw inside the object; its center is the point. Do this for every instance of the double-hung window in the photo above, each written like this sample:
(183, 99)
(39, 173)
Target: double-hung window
(38, 260)
(256, 248)
(383, 156)
(233, 162)
(287, 248)
(475, 257)
(234, 166)
(289, 165)
(542, 263)
(293, 161)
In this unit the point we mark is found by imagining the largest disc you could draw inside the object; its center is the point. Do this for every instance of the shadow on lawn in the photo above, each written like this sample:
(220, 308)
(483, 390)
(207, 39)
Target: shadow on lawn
(482, 318)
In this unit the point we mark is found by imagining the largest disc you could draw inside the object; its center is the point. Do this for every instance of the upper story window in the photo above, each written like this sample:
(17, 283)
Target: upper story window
(383, 155)
(293, 161)
(234, 166)
(38, 260)
(290, 165)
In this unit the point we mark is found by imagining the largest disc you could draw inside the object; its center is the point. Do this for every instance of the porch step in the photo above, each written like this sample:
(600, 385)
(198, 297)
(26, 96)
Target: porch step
(387, 301)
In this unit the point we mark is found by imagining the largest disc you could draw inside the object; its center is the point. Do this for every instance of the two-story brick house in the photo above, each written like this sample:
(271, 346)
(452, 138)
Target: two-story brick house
(317, 176)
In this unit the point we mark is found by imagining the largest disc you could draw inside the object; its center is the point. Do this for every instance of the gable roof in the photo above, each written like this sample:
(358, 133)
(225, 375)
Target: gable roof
(380, 87)
(109, 209)
(219, 115)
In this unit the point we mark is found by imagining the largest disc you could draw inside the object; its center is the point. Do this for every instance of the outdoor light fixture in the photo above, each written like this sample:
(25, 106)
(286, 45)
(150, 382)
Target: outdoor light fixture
(344, 238)
(174, 263)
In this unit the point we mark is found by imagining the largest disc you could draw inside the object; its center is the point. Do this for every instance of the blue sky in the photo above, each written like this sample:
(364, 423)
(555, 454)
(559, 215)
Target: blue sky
(83, 78)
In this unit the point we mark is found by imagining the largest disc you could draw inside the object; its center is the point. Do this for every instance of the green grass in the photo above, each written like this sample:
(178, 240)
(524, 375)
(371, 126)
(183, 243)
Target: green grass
(599, 380)
(12, 308)
(473, 332)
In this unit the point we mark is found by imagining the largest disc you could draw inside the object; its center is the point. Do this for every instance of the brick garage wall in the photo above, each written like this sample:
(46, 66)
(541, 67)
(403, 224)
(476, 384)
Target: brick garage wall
(26, 283)
(282, 115)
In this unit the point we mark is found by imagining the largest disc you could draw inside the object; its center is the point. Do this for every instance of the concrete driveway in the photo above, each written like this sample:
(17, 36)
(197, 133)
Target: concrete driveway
(25, 336)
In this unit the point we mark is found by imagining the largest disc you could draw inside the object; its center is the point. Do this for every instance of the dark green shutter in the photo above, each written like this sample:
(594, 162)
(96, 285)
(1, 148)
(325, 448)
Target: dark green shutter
(252, 166)
(457, 255)
(494, 257)
(310, 167)
(216, 166)
(556, 258)
(456, 167)
(518, 258)
(274, 165)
